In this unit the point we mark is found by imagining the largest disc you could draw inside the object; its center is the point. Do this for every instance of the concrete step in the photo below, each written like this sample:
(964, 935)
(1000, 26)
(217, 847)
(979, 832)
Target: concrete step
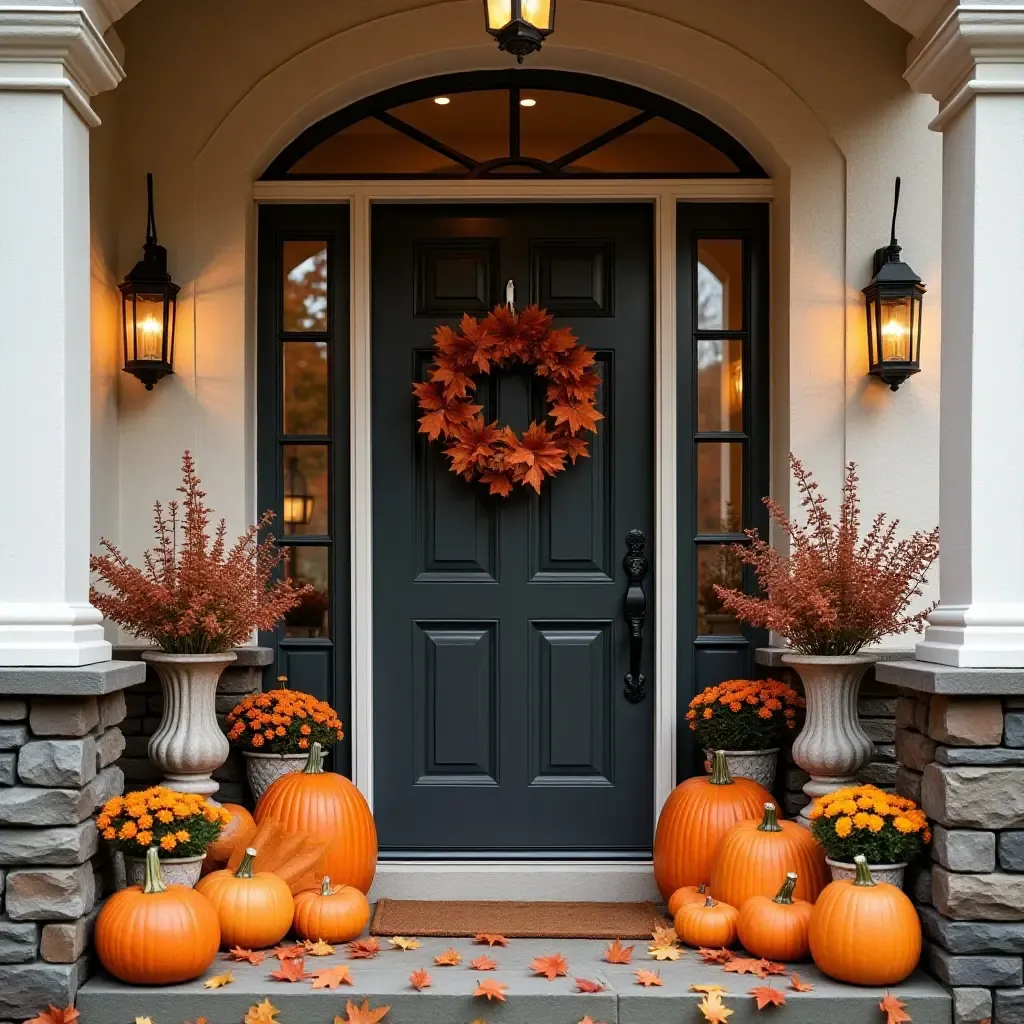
(530, 999)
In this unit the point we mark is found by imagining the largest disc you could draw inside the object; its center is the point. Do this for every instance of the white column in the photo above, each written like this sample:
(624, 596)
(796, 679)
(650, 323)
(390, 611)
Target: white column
(974, 66)
(52, 59)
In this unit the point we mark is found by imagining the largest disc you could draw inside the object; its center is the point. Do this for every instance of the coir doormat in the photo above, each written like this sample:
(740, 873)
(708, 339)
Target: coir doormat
(520, 920)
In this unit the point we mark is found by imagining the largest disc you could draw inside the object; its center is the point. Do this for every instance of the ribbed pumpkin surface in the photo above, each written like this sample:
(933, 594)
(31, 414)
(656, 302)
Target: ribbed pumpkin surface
(254, 912)
(220, 850)
(331, 809)
(774, 931)
(337, 915)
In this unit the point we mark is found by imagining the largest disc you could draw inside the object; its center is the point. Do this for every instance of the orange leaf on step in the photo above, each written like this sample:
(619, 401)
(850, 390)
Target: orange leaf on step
(292, 970)
(617, 953)
(490, 989)
(419, 979)
(240, 955)
(664, 937)
(590, 1020)
(262, 1013)
(647, 978)
(490, 940)
(219, 980)
(356, 1014)
(551, 966)
(797, 985)
(363, 949)
(771, 967)
(744, 965)
(332, 977)
(288, 952)
(768, 996)
(318, 948)
(53, 1015)
(483, 963)
(895, 1010)
(714, 1010)
(716, 956)
(401, 942)
(705, 989)
(665, 952)
(451, 957)
(585, 985)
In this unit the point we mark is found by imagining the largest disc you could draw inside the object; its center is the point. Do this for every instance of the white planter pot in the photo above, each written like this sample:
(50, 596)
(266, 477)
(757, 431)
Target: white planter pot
(263, 769)
(758, 765)
(891, 873)
(189, 746)
(175, 870)
(832, 747)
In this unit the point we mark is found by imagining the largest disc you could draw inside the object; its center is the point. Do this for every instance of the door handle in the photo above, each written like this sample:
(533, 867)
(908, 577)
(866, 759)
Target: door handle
(635, 606)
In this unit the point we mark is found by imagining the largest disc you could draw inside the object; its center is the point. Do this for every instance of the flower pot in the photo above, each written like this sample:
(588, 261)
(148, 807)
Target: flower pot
(758, 765)
(263, 769)
(891, 873)
(175, 870)
(832, 747)
(189, 746)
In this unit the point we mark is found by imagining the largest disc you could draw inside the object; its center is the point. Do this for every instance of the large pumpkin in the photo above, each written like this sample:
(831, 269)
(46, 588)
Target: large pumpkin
(254, 910)
(711, 924)
(156, 934)
(334, 913)
(865, 932)
(777, 928)
(755, 854)
(238, 829)
(696, 815)
(330, 809)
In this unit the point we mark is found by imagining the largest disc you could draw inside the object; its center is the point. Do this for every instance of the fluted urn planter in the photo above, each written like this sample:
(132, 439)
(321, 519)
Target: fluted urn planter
(832, 747)
(189, 745)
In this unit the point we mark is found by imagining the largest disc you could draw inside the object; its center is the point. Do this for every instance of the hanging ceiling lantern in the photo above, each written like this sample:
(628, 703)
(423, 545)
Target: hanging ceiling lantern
(520, 26)
(893, 302)
(298, 503)
(148, 304)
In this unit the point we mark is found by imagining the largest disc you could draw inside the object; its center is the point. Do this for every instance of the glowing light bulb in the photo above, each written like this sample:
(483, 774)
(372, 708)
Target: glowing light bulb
(150, 334)
(528, 102)
(894, 336)
(442, 101)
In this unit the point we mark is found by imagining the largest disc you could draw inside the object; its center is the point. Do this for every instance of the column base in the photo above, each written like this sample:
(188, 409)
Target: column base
(51, 635)
(974, 636)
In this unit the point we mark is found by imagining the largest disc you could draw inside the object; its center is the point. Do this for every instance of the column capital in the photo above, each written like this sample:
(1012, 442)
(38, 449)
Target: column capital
(977, 49)
(56, 49)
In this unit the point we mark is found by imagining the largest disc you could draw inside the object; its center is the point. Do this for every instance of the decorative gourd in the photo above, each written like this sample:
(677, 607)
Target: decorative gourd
(865, 932)
(687, 894)
(156, 934)
(240, 827)
(776, 929)
(331, 810)
(711, 923)
(696, 815)
(336, 914)
(755, 854)
(254, 910)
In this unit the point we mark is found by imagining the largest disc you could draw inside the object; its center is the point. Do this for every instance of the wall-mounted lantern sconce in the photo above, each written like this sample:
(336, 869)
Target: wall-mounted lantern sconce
(893, 302)
(298, 503)
(520, 26)
(148, 303)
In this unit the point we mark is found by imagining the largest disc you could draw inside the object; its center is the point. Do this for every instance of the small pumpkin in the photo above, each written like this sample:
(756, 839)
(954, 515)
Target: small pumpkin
(334, 914)
(865, 932)
(711, 923)
(331, 810)
(776, 928)
(254, 910)
(237, 830)
(157, 934)
(696, 815)
(755, 854)
(687, 894)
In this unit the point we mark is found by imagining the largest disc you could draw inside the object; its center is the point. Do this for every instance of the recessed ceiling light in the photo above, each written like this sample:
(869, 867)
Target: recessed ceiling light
(528, 102)
(442, 101)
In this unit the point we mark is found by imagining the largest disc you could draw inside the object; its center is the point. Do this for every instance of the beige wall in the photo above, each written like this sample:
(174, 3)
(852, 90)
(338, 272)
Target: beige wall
(214, 90)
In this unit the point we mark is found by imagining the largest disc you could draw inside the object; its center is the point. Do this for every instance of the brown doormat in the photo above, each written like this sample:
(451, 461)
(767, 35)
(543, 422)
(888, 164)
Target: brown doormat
(520, 920)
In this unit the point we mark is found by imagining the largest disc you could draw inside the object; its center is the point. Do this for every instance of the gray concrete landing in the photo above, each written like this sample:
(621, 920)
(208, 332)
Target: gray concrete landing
(530, 999)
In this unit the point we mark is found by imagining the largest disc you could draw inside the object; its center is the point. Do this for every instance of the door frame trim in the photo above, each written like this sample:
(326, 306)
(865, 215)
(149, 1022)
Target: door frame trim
(663, 196)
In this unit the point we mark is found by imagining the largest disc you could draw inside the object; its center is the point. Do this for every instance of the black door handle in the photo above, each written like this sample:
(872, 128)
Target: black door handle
(635, 605)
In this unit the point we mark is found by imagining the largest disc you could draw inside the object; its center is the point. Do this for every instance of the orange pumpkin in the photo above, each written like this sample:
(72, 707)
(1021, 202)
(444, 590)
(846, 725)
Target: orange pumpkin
(687, 894)
(234, 832)
(776, 929)
(711, 923)
(331, 810)
(696, 815)
(755, 854)
(865, 932)
(254, 910)
(156, 934)
(336, 914)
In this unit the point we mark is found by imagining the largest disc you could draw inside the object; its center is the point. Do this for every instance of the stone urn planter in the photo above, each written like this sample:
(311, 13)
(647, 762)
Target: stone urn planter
(891, 873)
(263, 769)
(758, 765)
(175, 870)
(189, 744)
(832, 747)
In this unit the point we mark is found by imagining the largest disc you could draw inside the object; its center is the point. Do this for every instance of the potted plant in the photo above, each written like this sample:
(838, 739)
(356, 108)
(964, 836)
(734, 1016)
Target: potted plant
(275, 732)
(747, 719)
(195, 599)
(833, 594)
(887, 830)
(180, 826)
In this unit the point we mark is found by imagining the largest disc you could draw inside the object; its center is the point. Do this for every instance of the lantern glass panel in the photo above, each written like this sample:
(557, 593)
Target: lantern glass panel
(895, 326)
(305, 509)
(149, 326)
(535, 12)
(499, 14)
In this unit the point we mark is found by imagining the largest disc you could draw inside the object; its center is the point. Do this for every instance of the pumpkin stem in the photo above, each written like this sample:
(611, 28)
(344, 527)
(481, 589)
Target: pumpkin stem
(702, 888)
(245, 868)
(863, 871)
(315, 761)
(785, 894)
(770, 821)
(709, 902)
(154, 879)
(325, 886)
(719, 770)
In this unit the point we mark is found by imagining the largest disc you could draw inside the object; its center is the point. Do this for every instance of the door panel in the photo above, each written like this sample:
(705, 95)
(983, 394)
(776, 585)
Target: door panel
(500, 723)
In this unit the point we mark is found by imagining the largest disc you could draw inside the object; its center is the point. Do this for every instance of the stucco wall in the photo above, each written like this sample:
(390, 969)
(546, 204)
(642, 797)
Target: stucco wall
(814, 90)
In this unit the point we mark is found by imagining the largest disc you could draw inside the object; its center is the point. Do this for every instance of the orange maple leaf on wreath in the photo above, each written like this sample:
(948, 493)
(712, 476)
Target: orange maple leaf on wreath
(490, 940)
(420, 979)
(490, 989)
(647, 978)
(552, 966)
(617, 953)
(765, 995)
(483, 963)
(291, 970)
(356, 1014)
(541, 454)
(332, 977)
(474, 446)
(54, 1015)
(586, 985)
(895, 1010)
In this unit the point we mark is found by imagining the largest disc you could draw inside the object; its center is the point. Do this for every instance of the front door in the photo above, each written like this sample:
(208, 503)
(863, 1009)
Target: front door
(501, 722)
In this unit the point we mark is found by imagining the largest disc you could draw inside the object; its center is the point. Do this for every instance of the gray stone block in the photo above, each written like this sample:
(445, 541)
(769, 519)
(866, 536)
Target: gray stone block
(908, 783)
(1011, 851)
(923, 677)
(793, 778)
(995, 757)
(984, 798)
(912, 713)
(8, 769)
(876, 707)
(112, 709)
(233, 793)
(1013, 729)
(63, 716)
(878, 773)
(135, 704)
(131, 727)
(994, 971)
(972, 1005)
(239, 681)
(31, 988)
(13, 710)
(13, 736)
(972, 937)
(49, 846)
(63, 942)
(993, 897)
(230, 771)
(58, 763)
(155, 704)
(140, 769)
(918, 883)
(19, 941)
(136, 746)
(226, 703)
(884, 752)
(29, 805)
(879, 730)
(1009, 1006)
(150, 725)
(965, 722)
(71, 681)
(50, 894)
(914, 749)
(109, 747)
(961, 850)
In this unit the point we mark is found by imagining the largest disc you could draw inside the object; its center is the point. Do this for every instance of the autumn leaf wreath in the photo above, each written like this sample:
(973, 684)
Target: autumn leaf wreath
(495, 455)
